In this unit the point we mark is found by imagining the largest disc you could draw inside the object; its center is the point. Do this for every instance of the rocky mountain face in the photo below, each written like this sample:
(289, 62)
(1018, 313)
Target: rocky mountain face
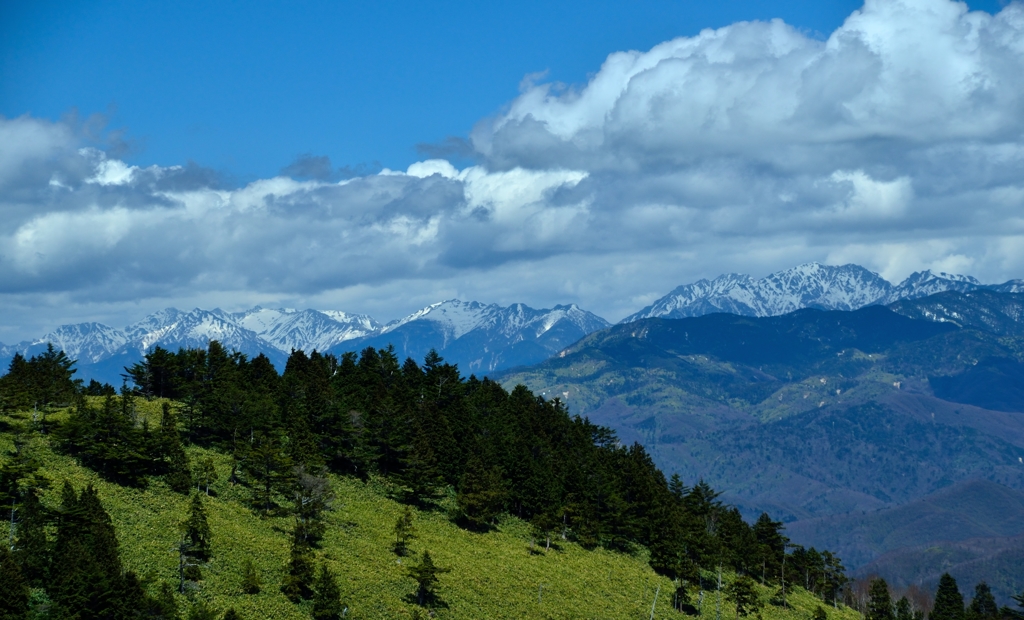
(826, 287)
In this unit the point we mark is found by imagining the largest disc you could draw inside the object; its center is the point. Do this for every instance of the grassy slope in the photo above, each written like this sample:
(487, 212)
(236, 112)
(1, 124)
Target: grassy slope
(494, 575)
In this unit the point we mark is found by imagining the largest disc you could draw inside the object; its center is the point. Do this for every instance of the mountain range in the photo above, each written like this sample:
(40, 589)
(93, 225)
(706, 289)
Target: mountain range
(480, 338)
(813, 285)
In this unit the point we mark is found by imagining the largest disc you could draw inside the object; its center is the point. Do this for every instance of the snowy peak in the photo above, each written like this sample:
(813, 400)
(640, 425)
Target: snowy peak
(172, 328)
(844, 287)
(288, 329)
(925, 283)
(454, 317)
(807, 286)
(86, 342)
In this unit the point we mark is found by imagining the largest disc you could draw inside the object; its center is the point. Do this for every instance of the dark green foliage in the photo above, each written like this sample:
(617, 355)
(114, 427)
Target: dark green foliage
(327, 597)
(268, 468)
(771, 545)
(196, 529)
(40, 382)
(983, 605)
(231, 614)
(201, 610)
(905, 611)
(743, 593)
(164, 606)
(949, 603)
(298, 583)
(312, 496)
(14, 591)
(425, 574)
(819, 613)
(429, 431)
(405, 531)
(481, 494)
(86, 580)
(251, 583)
(178, 475)
(880, 601)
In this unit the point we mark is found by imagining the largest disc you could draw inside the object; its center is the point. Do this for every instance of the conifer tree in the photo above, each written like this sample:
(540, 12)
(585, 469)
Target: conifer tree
(298, 583)
(743, 593)
(14, 592)
(425, 574)
(481, 494)
(983, 605)
(904, 611)
(405, 531)
(178, 476)
(231, 614)
(86, 568)
(251, 583)
(327, 597)
(879, 601)
(949, 603)
(31, 551)
(196, 529)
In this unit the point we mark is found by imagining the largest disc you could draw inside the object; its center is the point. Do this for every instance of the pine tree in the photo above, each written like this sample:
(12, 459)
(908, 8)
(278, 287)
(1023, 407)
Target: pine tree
(250, 578)
(14, 593)
(880, 601)
(405, 531)
(983, 606)
(949, 603)
(178, 476)
(196, 529)
(743, 593)
(231, 614)
(31, 551)
(481, 494)
(327, 598)
(904, 611)
(86, 568)
(298, 583)
(425, 573)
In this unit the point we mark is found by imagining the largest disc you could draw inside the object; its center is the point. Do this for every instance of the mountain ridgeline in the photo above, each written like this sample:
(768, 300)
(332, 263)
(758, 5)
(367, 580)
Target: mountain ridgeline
(480, 338)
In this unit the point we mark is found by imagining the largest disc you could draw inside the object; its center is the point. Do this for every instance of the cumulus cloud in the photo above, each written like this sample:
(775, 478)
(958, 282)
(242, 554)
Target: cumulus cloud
(897, 143)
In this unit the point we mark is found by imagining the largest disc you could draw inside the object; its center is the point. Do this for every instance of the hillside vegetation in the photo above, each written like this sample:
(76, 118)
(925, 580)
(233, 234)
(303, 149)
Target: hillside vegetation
(329, 494)
(814, 413)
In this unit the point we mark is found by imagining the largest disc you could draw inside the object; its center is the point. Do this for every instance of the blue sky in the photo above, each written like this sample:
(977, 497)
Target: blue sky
(246, 87)
(378, 157)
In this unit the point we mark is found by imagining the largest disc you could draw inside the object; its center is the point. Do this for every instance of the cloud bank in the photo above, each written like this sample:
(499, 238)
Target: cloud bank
(897, 143)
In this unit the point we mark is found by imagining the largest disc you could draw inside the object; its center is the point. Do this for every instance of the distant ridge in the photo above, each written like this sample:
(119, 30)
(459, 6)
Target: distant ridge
(479, 337)
(813, 285)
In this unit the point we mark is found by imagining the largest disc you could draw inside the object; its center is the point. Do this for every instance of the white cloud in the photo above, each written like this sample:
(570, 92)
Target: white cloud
(897, 143)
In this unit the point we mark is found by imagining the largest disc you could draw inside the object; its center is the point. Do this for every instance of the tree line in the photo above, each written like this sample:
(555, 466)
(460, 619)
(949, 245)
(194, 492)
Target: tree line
(428, 431)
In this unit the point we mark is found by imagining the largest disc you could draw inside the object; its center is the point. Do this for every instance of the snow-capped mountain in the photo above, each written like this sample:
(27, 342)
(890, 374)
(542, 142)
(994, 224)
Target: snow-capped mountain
(845, 287)
(173, 329)
(289, 329)
(925, 283)
(483, 337)
(474, 335)
(808, 286)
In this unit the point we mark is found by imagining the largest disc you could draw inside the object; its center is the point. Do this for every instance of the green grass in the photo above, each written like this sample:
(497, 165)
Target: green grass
(493, 575)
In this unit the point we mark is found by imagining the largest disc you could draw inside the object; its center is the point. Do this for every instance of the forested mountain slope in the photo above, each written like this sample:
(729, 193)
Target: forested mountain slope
(814, 413)
(389, 488)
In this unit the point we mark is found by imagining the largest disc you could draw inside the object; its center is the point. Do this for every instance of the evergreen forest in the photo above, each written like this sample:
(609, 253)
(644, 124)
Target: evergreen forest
(209, 485)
